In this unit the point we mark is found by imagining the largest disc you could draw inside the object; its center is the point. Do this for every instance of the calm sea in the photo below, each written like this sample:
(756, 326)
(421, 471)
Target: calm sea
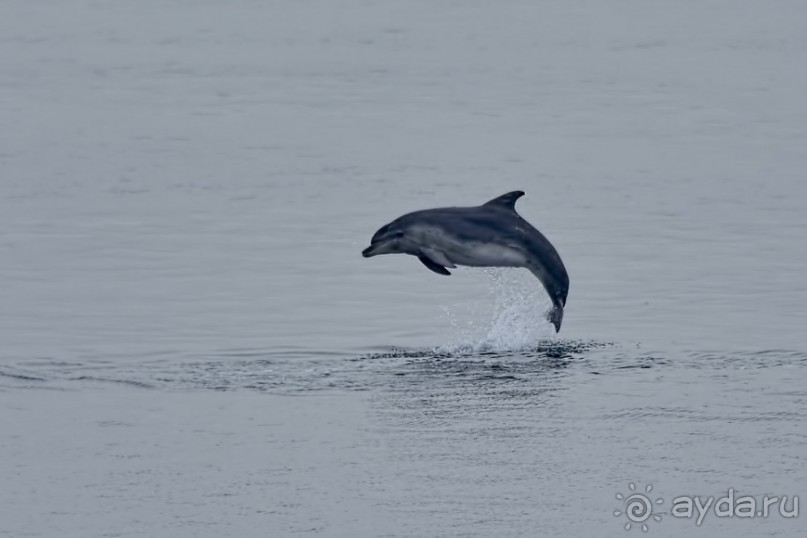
(192, 345)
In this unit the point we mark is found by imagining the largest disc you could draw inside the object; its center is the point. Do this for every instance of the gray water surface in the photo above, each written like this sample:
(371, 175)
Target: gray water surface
(192, 345)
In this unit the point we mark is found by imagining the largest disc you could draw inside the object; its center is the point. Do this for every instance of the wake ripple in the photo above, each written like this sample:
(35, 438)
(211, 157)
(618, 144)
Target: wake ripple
(294, 371)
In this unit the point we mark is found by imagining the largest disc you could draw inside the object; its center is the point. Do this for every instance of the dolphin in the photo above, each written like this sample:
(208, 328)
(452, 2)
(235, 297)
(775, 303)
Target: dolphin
(489, 235)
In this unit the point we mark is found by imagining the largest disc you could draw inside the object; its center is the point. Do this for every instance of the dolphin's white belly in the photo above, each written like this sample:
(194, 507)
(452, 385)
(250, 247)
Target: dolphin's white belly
(464, 252)
(486, 255)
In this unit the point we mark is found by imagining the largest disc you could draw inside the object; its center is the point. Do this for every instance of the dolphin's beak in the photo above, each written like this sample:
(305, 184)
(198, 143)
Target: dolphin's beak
(368, 252)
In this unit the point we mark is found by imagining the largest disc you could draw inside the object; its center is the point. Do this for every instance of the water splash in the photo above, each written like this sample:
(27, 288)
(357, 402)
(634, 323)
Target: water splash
(514, 317)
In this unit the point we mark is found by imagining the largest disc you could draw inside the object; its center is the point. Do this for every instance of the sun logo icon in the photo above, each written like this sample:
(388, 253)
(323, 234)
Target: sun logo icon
(638, 507)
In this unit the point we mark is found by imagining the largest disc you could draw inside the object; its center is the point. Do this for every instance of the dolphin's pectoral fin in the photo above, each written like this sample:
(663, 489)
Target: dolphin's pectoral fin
(436, 267)
(507, 201)
(437, 257)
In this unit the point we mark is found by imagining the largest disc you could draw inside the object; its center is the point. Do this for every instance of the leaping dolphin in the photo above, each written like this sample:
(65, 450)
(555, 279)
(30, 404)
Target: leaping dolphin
(490, 235)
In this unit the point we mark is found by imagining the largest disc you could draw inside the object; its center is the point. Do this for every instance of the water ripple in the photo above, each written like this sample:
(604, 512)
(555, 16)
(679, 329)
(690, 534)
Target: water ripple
(393, 368)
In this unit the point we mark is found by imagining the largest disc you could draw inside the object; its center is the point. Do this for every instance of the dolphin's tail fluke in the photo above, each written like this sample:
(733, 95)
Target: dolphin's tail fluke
(555, 315)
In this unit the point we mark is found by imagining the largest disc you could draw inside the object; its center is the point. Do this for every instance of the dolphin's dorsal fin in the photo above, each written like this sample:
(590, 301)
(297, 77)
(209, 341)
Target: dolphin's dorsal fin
(506, 200)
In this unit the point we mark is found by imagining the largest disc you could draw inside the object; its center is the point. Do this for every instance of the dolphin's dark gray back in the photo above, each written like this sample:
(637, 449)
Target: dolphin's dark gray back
(497, 220)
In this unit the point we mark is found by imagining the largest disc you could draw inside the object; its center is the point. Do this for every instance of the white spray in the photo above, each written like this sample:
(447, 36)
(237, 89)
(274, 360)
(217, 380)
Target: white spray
(513, 318)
